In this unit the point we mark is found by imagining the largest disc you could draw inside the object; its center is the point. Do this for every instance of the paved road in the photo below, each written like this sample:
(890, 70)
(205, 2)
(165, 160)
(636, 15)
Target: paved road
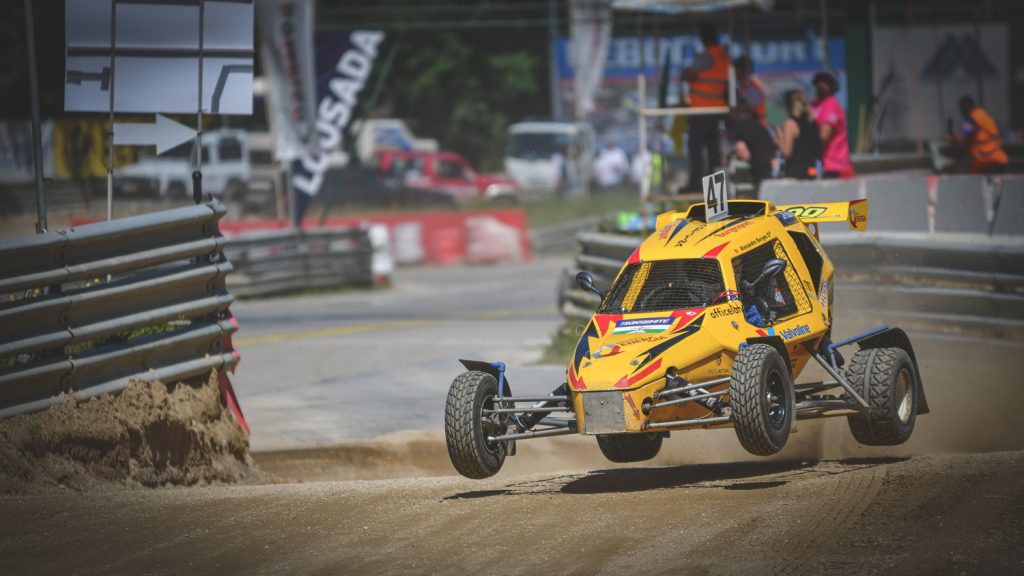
(319, 370)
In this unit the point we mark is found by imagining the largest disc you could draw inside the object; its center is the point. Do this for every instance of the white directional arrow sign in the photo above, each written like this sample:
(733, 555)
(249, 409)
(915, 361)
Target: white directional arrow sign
(165, 134)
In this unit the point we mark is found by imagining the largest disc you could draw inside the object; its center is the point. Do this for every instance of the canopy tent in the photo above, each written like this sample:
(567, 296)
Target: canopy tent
(684, 6)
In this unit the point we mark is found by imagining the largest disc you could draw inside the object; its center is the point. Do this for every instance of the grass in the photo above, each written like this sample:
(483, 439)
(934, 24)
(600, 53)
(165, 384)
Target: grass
(562, 344)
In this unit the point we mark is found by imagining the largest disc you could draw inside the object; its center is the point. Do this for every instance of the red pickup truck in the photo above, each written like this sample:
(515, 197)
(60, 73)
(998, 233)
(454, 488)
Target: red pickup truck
(445, 172)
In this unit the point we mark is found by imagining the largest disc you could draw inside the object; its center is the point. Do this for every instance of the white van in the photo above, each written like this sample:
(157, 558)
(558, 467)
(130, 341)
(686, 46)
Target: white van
(225, 168)
(531, 149)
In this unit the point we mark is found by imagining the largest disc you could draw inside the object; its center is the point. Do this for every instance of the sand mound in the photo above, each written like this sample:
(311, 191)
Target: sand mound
(149, 435)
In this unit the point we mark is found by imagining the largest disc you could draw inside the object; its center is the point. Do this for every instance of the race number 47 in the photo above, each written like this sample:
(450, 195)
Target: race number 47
(716, 197)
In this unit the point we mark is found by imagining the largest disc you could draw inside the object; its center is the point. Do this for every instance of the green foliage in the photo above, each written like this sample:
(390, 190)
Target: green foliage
(464, 89)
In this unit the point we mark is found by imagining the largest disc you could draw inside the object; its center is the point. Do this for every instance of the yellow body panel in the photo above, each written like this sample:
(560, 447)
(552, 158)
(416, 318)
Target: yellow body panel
(701, 343)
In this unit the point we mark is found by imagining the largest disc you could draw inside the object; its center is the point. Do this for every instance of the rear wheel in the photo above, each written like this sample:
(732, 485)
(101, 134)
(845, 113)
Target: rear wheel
(466, 427)
(761, 398)
(886, 378)
(629, 447)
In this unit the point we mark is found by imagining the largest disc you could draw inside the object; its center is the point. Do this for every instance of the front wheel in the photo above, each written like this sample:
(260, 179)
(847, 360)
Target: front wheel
(762, 399)
(466, 427)
(886, 378)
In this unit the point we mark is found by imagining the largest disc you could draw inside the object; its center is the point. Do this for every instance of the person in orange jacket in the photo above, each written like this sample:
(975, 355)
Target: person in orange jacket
(978, 132)
(708, 77)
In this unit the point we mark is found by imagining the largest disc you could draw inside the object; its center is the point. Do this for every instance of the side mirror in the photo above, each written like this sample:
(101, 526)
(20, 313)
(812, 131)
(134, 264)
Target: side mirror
(585, 281)
(772, 268)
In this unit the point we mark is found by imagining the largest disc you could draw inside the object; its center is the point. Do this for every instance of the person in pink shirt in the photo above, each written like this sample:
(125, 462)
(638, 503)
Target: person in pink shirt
(831, 119)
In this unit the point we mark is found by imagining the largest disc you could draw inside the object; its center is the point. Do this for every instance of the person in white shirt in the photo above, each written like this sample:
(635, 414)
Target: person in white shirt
(611, 165)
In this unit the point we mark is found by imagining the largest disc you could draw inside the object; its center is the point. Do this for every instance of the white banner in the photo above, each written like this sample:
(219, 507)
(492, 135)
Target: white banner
(591, 32)
(286, 44)
(920, 76)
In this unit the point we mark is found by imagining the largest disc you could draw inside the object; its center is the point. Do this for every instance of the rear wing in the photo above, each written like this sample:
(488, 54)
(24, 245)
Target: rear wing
(855, 212)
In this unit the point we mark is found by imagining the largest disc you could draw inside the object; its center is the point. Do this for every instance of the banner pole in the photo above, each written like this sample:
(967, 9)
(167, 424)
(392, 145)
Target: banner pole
(110, 148)
(37, 144)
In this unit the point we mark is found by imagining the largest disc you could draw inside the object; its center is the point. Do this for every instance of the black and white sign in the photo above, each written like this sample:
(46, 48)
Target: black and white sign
(156, 56)
(716, 197)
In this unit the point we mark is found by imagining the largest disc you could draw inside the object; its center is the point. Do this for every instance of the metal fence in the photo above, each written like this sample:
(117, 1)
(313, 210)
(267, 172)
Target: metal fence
(957, 283)
(84, 310)
(273, 262)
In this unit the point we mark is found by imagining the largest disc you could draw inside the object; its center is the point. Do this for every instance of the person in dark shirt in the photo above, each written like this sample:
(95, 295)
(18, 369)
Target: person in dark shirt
(753, 143)
(799, 139)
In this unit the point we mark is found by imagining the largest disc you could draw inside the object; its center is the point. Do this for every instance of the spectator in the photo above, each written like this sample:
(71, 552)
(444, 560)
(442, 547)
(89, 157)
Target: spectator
(558, 167)
(753, 143)
(831, 119)
(978, 132)
(642, 161)
(708, 77)
(611, 165)
(799, 139)
(750, 90)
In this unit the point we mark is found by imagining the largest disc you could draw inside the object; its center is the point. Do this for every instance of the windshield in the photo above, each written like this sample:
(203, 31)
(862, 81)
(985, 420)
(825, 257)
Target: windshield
(534, 145)
(665, 285)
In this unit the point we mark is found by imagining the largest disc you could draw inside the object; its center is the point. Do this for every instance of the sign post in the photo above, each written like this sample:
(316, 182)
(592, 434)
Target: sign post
(170, 57)
(716, 197)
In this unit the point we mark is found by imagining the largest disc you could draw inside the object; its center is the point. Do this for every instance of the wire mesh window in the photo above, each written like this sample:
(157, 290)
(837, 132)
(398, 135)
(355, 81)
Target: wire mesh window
(665, 285)
(777, 298)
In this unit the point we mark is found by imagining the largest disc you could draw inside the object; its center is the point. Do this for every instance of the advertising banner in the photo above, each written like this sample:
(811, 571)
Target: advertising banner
(783, 61)
(344, 62)
(591, 32)
(920, 74)
(286, 44)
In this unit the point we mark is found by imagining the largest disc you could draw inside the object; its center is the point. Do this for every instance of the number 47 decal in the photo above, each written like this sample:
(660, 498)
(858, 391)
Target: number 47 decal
(716, 196)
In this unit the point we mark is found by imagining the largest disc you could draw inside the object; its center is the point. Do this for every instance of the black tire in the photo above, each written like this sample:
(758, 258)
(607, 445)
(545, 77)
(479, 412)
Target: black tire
(466, 427)
(886, 378)
(629, 447)
(762, 399)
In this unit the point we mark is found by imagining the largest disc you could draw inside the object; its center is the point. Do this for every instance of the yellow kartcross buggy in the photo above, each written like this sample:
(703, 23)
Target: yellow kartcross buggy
(707, 325)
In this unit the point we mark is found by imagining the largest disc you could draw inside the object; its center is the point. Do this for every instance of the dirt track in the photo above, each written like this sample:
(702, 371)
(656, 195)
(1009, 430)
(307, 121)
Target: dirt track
(925, 515)
(950, 501)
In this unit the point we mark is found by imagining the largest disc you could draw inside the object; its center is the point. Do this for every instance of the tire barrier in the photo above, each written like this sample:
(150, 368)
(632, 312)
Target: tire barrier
(276, 261)
(84, 310)
(955, 283)
(989, 205)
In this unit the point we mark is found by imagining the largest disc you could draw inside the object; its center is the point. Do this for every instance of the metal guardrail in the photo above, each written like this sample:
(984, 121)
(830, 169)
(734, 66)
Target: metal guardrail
(85, 309)
(956, 283)
(273, 262)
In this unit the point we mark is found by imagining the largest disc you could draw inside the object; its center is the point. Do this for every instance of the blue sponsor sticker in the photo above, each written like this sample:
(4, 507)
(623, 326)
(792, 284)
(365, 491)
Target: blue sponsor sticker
(643, 326)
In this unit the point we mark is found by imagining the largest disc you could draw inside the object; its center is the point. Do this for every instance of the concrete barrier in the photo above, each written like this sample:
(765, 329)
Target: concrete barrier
(897, 203)
(961, 206)
(1010, 214)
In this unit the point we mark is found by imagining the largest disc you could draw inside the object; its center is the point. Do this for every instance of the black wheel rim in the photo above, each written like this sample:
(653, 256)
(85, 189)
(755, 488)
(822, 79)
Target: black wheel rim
(490, 425)
(775, 400)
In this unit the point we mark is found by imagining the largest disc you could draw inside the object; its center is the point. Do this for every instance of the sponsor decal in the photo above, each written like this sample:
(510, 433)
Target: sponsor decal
(679, 226)
(693, 230)
(665, 230)
(632, 406)
(734, 229)
(642, 340)
(756, 241)
(790, 333)
(786, 218)
(607, 350)
(806, 211)
(726, 311)
(643, 326)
